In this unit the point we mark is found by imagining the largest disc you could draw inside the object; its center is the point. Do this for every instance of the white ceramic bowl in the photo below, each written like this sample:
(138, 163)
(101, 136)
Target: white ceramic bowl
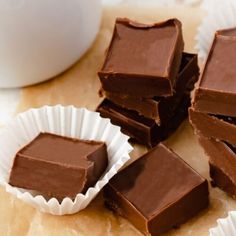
(41, 38)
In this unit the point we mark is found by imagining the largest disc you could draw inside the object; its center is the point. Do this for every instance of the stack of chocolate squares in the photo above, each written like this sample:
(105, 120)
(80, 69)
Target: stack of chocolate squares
(213, 113)
(147, 79)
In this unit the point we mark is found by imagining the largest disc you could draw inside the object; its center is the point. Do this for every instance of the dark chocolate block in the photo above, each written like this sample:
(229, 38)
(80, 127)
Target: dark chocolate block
(217, 90)
(143, 60)
(222, 180)
(214, 126)
(144, 130)
(222, 159)
(157, 108)
(157, 192)
(59, 167)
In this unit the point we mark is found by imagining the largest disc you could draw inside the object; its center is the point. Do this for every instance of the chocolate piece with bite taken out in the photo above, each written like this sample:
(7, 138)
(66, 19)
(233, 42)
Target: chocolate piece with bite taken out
(59, 167)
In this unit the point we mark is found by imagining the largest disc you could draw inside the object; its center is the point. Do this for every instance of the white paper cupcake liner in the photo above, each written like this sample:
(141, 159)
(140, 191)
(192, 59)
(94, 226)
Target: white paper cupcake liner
(66, 121)
(225, 226)
(220, 15)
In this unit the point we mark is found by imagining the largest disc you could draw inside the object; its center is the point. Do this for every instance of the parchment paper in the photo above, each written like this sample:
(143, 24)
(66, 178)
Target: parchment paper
(79, 86)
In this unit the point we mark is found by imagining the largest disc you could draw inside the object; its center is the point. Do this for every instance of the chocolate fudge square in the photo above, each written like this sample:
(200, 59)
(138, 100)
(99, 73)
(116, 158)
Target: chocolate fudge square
(141, 129)
(143, 60)
(222, 160)
(157, 192)
(217, 89)
(158, 108)
(58, 166)
(214, 126)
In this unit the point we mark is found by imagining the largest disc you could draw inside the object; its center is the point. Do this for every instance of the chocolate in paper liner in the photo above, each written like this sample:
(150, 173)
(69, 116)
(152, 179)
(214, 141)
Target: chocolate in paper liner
(66, 121)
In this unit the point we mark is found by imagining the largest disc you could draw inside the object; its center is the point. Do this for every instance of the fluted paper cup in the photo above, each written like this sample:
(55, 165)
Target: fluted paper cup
(220, 15)
(70, 122)
(225, 226)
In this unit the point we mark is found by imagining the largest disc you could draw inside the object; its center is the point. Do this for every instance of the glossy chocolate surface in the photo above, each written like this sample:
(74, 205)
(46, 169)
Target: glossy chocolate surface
(157, 192)
(143, 60)
(158, 108)
(59, 167)
(217, 89)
